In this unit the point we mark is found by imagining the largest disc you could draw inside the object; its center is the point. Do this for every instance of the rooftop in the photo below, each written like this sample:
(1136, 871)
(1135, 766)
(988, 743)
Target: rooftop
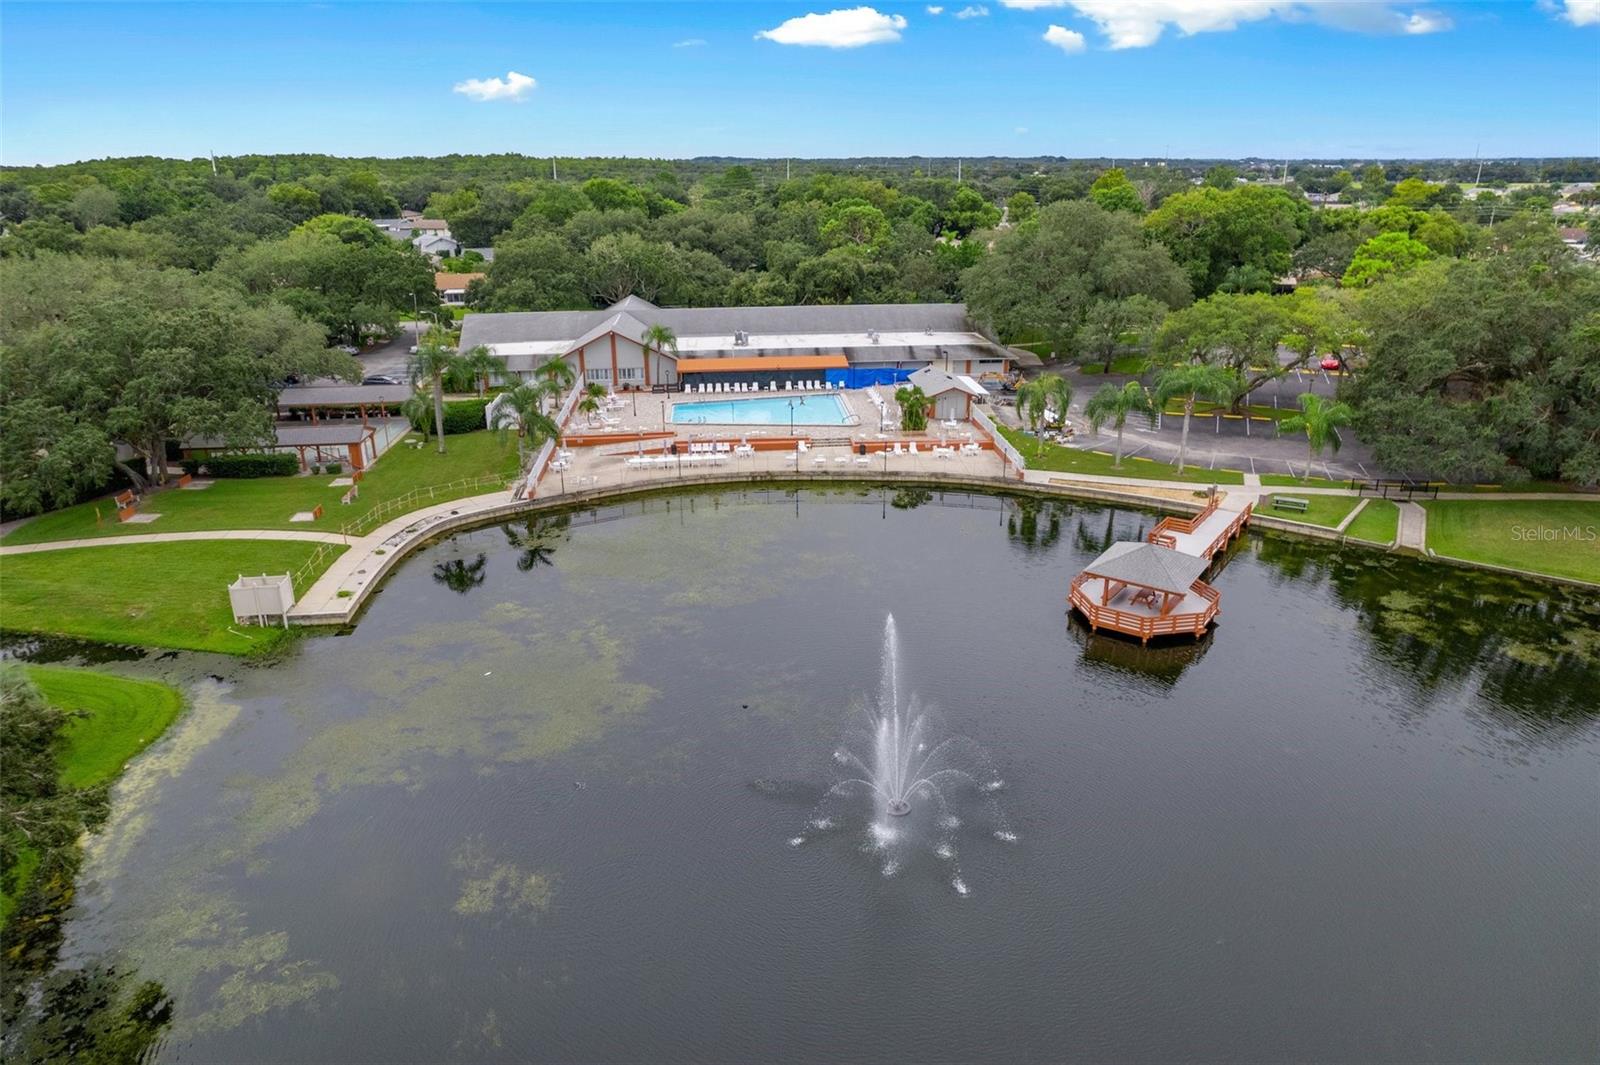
(1148, 566)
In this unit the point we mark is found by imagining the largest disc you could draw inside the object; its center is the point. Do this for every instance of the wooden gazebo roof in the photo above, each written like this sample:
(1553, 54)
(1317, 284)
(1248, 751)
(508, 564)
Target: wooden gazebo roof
(1146, 565)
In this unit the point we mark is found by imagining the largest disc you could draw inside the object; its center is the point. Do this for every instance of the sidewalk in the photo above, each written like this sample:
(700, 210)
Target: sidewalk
(177, 537)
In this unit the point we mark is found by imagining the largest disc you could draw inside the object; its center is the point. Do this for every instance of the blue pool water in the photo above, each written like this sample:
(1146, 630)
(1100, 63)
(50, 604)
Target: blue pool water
(823, 409)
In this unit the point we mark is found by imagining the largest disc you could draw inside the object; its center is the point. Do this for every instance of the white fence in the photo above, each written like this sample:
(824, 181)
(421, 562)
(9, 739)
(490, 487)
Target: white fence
(1012, 455)
(542, 459)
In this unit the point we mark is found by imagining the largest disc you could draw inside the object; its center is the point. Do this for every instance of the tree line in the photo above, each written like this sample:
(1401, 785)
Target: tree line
(148, 300)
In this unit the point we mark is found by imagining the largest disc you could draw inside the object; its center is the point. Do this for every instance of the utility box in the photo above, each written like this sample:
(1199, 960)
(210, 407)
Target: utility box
(262, 600)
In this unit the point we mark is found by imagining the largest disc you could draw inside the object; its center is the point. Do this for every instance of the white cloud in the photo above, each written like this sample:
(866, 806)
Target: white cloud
(1032, 5)
(1021, 130)
(1140, 23)
(692, 42)
(1067, 40)
(1421, 22)
(1582, 12)
(973, 11)
(513, 86)
(934, 9)
(845, 28)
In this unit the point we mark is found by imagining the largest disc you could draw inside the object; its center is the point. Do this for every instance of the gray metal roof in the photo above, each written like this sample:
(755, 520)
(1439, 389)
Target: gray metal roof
(527, 326)
(297, 436)
(343, 395)
(936, 382)
(1148, 566)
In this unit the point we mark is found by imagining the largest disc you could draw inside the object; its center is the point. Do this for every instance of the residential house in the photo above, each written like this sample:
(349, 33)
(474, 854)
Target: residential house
(452, 288)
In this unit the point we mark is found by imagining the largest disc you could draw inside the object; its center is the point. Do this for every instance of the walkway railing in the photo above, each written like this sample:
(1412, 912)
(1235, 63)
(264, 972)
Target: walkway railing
(419, 497)
(1162, 533)
(313, 564)
(987, 424)
(1144, 626)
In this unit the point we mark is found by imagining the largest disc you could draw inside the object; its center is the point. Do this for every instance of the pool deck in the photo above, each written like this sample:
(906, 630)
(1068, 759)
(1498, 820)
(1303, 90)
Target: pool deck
(652, 412)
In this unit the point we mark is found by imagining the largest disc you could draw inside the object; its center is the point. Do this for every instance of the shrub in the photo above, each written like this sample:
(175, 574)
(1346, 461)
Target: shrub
(464, 416)
(333, 467)
(255, 464)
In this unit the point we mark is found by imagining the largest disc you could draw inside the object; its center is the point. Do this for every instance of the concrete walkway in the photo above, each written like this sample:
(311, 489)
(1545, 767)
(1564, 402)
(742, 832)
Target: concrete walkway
(176, 537)
(1413, 527)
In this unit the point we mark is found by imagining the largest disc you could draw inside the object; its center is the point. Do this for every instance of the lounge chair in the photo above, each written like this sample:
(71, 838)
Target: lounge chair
(862, 460)
(914, 450)
(820, 460)
(898, 450)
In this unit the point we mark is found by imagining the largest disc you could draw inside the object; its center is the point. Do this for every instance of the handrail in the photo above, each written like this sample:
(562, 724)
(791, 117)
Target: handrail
(359, 525)
(987, 423)
(310, 563)
(1142, 625)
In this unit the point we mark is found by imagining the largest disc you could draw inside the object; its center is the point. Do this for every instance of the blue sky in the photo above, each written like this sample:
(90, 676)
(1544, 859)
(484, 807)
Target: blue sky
(1023, 77)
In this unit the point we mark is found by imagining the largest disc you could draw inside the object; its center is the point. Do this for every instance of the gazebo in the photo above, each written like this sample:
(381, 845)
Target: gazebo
(1145, 590)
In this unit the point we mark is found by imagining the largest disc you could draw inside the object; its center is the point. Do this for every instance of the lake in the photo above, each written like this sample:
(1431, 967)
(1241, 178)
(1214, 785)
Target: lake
(541, 803)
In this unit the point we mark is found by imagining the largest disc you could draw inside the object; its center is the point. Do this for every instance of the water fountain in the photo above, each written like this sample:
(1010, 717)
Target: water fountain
(921, 792)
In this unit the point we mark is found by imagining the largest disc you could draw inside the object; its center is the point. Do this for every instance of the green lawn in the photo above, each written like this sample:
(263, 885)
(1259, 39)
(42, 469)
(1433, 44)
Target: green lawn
(1126, 364)
(1327, 511)
(1379, 523)
(1559, 537)
(1283, 480)
(268, 502)
(153, 595)
(115, 718)
(1071, 460)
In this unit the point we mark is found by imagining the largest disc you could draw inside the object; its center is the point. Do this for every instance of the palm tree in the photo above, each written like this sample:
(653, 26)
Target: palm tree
(913, 408)
(1320, 419)
(522, 410)
(1037, 397)
(555, 375)
(1193, 381)
(431, 362)
(661, 338)
(484, 366)
(1113, 404)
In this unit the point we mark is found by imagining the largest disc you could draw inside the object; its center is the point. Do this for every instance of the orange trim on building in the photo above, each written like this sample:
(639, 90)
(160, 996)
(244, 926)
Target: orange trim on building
(774, 362)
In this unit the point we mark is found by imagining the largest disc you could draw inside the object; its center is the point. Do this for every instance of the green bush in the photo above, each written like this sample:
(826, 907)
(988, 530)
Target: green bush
(335, 468)
(464, 416)
(270, 464)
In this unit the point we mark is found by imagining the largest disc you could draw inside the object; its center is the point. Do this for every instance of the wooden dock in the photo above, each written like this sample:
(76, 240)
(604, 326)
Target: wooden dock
(1154, 588)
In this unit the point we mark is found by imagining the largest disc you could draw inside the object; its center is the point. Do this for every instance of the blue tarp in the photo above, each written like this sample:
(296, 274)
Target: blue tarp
(861, 377)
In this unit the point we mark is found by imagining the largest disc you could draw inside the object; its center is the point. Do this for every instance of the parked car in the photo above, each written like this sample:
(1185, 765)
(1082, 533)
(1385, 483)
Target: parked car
(381, 379)
(1330, 363)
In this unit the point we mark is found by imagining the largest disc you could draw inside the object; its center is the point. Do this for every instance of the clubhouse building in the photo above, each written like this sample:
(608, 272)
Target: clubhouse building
(848, 344)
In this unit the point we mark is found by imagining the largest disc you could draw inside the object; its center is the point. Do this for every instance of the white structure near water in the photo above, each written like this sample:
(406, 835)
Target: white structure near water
(263, 599)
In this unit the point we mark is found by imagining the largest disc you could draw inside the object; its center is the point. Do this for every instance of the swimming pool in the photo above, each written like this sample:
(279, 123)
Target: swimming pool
(819, 409)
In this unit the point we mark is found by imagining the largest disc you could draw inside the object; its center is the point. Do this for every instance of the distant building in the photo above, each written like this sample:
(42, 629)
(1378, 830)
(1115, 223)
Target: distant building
(848, 342)
(1574, 238)
(411, 225)
(487, 253)
(437, 245)
(452, 288)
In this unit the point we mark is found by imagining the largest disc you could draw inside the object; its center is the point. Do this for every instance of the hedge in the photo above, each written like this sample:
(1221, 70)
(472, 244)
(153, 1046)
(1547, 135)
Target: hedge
(271, 464)
(464, 416)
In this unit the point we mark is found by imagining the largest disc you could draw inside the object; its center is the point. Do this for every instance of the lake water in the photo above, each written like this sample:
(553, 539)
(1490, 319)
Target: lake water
(539, 804)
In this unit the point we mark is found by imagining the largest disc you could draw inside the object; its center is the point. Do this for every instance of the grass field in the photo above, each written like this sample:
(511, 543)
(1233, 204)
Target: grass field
(1558, 537)
(1283, 480)
(1327, 511)
(153, 595)
(115, 718)
(1071, 460)
(1379, 523)
(268, 502)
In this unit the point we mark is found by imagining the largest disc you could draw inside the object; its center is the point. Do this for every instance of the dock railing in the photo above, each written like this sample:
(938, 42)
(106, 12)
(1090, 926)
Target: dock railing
(1144, 626)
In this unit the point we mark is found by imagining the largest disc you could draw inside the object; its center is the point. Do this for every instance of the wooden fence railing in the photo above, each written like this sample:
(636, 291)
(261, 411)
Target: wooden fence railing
(1144, 626)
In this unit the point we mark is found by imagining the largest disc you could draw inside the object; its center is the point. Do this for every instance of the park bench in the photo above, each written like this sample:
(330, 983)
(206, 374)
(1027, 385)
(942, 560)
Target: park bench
(1291, 503)
(127, 505)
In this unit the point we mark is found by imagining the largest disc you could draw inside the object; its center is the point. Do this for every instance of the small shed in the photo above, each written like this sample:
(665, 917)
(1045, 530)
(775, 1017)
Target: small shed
(952, 393)
(349, 443)
(256, 600)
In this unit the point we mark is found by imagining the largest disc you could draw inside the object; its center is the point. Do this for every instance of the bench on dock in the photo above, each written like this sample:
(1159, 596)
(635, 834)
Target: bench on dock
(1291, 503)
